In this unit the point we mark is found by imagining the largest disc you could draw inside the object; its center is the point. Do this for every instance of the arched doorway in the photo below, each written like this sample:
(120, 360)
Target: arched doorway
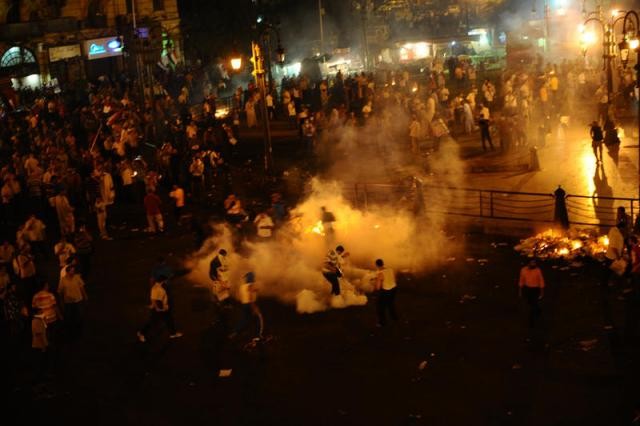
(20, 63)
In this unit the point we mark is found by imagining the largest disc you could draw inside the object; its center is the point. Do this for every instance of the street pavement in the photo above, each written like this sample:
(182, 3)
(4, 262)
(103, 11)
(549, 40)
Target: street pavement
(461, 353)
(568, 162)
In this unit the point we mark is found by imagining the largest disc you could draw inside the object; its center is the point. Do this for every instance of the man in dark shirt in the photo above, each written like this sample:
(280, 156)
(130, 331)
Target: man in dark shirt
(485, 134)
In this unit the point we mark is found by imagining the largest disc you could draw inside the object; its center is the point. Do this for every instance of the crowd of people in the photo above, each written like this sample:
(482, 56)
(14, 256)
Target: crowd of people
(68, 163)
(522, 106)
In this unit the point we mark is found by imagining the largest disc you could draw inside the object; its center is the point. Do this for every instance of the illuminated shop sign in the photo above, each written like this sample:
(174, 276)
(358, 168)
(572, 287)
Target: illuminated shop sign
(414, 51)
(103, 47)
(60, 53)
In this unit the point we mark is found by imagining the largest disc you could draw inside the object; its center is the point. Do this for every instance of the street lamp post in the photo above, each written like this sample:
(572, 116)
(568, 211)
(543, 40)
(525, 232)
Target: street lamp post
(607, 53)
(260, 76)
(624, 47)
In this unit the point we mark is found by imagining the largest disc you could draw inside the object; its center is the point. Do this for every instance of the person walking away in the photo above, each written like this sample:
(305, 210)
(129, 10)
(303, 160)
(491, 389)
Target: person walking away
(386, 288)
(71, 290)
(531, 287)
(101, 217)
(152, 205)
(177, 194)
(485, 132)
(248, 295)
(597, 140)
(159, 312)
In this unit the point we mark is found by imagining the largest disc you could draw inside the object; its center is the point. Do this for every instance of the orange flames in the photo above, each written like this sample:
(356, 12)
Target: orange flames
(318, 228)
(570, 245)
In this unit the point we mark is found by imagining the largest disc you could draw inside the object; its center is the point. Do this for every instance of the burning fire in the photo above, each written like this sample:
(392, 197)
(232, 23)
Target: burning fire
(318, 228)
(222, 112)
(555, 245)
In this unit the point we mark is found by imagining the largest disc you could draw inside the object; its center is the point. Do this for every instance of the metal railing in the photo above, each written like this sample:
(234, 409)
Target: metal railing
(492, 204)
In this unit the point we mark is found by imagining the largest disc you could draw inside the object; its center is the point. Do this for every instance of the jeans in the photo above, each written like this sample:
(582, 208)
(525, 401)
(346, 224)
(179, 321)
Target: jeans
(532, 296)
(250, 312)
(386, 302)
(156, 317)
(332, 277)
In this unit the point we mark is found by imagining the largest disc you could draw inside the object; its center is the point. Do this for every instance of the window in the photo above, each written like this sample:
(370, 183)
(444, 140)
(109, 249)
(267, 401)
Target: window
(129, 6)
(16, 56)
(158, 5)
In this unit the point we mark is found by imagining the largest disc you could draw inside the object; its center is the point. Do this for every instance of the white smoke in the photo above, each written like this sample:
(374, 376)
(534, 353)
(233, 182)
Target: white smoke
(289, 267)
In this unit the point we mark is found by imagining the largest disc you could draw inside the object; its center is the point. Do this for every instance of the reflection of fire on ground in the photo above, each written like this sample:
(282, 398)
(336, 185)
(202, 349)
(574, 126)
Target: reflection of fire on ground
(569, 245)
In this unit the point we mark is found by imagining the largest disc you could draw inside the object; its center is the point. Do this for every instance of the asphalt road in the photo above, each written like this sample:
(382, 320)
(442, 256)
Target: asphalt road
(483, 365)
(336, 367)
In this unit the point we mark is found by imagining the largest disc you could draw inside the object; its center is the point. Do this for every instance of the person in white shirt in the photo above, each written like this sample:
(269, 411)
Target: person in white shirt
(615, 251)
(386, 287)
(264, 226)
(160, 311)
(196, 169)
(72, 292)
(64, 250)
(101, 217)
(332, 268)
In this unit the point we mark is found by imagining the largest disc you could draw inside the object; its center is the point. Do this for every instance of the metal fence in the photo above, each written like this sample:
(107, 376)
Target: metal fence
(493, 204)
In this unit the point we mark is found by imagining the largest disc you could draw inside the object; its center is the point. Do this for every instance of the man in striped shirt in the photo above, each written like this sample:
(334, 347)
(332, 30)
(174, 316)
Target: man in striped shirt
(531, 287)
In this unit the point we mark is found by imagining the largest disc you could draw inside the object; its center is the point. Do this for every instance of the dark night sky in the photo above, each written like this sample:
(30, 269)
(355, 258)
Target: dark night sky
(215, 27)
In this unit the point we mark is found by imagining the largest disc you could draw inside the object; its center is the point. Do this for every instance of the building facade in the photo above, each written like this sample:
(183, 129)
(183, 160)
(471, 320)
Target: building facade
(62, 41)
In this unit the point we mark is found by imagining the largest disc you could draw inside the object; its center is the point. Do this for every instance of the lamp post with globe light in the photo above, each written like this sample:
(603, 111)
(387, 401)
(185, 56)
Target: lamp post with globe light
(630, 41)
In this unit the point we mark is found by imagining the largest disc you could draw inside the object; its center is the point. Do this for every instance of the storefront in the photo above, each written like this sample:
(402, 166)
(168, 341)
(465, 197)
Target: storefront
(103, 56)
(66, 64)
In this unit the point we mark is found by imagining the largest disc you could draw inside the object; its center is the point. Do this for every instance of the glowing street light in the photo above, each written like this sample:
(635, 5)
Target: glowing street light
(625, 47)
(280, 55)
(236, 63)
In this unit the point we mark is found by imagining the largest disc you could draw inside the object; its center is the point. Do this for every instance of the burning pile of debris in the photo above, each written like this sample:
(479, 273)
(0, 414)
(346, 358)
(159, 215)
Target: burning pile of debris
(569, 245)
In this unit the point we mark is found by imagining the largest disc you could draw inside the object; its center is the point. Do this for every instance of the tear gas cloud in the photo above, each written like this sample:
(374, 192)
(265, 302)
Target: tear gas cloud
(289, 266)
(292, 261)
